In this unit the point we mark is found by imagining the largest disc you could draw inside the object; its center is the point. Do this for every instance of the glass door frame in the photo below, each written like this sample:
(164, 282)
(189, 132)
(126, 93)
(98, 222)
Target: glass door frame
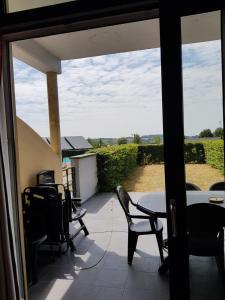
(173, 131)
(223, 69)
(74, 16)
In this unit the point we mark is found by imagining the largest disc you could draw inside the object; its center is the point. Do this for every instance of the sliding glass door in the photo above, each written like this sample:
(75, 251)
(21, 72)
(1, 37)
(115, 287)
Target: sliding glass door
(203, 143)
(192, 50)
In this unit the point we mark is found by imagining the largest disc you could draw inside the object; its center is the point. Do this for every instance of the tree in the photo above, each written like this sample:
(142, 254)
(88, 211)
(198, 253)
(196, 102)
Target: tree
(96, 143)
(136, 139)
(205, 133)
(218, 132)
(156, 140)
(122, 141)
(101, 143)
(92, 142)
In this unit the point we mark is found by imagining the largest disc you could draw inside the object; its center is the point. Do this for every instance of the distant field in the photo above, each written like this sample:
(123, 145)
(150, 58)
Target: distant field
(151, 177)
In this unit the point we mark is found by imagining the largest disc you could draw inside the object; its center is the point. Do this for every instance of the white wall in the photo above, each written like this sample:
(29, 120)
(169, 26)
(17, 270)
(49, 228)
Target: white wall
(86, 175)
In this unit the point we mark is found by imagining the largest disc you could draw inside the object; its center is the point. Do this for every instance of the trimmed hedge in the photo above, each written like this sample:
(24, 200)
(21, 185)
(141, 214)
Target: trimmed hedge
(194, 153)
(150, 154)
(214, 154)
(114, 164)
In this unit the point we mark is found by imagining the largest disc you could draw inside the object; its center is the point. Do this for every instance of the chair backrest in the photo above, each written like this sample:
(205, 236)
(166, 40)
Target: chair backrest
(217, 186)
(192, 187)
(124, 200)
(205, 219)
(44, 211)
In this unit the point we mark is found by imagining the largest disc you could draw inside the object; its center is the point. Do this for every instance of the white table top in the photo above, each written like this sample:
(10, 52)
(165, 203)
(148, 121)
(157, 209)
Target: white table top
(156, 201)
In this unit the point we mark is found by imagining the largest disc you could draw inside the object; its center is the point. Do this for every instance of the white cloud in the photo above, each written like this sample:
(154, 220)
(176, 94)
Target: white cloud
(120, 94)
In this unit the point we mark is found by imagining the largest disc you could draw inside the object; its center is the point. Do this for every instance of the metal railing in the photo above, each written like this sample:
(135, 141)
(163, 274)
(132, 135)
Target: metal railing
(69, 179)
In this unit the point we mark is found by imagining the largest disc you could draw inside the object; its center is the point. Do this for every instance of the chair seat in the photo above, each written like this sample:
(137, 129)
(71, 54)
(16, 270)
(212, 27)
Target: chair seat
(145, 227)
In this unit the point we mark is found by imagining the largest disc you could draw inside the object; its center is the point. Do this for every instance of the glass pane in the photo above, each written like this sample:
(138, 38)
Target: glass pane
(15, 5)
(109, 94)
(204, 148)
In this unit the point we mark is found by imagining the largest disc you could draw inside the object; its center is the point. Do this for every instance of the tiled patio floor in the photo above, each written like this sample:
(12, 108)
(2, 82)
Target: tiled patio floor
(106, 275)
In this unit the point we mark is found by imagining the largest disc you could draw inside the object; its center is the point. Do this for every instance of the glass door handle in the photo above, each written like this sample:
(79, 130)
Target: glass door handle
(173, 217)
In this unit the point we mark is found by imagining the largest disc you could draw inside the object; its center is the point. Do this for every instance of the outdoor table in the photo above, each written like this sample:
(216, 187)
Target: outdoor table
(156, 202)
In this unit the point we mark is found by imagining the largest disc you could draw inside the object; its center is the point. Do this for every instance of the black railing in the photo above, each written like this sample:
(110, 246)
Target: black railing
(69, 179)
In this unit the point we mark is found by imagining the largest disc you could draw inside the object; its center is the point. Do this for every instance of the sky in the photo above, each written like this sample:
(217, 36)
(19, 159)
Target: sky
(120, 94)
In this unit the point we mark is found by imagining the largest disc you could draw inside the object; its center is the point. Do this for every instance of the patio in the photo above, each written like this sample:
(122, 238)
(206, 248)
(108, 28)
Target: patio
(106, 274)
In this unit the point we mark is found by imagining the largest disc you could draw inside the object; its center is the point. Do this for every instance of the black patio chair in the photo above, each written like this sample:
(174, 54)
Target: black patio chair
(205, 223)
(58, 211)
(147, 225)
(37, 203)
(192, 187)
(71, 207)
(75, 213)
(217, 186)
(71, 211)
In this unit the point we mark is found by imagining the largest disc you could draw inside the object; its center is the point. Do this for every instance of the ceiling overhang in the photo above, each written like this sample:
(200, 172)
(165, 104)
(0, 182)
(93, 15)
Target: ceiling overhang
(109, 40)
(36, 56)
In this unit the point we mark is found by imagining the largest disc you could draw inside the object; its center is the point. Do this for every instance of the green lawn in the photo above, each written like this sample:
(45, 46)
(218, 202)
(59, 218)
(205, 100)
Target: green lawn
(151, 177)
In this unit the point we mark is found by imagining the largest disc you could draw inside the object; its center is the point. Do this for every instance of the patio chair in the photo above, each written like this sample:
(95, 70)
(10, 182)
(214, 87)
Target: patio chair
(36, 225)
(47, 202)
(75, 213)
(217, 186)
(57, 213)
(192, 187)
(71, 211)
(205, 223)
(147, 225)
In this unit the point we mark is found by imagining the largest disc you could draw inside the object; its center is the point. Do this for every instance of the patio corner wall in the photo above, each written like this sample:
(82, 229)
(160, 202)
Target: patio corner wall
(86, 179)
(35, 155)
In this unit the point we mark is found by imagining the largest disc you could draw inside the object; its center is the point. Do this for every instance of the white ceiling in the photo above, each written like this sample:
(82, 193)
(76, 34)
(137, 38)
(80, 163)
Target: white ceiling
(128, 37)
(100, 41)
(121, 38)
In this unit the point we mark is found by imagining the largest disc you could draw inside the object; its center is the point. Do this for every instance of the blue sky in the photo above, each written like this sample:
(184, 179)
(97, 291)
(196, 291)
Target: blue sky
(120, 94)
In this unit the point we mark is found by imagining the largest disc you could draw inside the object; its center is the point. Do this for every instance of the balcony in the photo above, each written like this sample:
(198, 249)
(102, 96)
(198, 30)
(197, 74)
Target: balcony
(103, 257)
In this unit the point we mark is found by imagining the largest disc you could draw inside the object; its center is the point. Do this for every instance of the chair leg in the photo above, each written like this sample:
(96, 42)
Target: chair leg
(159, 237)
(220, 256)
(132, 243)
(220, 264)
(33, 259)
(164, 266)
(84, 227)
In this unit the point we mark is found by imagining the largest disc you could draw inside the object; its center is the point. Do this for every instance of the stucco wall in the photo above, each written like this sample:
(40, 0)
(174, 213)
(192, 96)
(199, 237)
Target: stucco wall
(35, 155)
(86, 175)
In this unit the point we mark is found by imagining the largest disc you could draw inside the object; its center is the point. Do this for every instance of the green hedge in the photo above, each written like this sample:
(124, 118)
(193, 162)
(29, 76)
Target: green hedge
(150, 154)
(194, 153)
(114, 164)
(214, 153)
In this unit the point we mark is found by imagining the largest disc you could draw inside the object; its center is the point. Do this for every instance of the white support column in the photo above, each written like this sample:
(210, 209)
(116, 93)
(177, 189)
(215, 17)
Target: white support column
(53, 106)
